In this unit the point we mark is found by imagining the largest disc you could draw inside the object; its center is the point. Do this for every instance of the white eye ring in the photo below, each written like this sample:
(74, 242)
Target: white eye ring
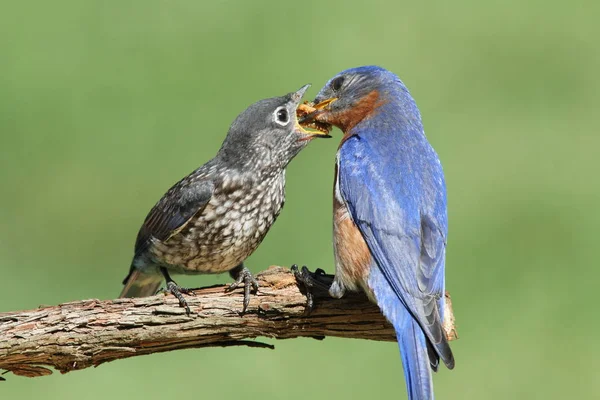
(281, 116)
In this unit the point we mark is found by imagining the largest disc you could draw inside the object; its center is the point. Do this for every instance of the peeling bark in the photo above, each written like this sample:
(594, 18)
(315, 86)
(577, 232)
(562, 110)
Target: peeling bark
(87, 333)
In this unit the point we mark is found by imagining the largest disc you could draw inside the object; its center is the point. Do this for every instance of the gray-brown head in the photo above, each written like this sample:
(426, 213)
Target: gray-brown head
(267, 134)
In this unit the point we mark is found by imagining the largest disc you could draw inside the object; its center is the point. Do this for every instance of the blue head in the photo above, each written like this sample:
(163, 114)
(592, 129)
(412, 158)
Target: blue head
(359, 93)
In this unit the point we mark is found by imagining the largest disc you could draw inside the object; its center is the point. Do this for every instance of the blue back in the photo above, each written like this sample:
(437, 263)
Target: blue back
(393, 185)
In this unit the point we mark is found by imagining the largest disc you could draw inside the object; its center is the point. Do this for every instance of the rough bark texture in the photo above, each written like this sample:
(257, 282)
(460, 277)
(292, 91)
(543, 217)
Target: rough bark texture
(88, 333)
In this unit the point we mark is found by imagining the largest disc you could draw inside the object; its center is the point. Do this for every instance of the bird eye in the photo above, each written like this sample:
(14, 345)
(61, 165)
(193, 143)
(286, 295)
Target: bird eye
(282, 117)
(337, 83)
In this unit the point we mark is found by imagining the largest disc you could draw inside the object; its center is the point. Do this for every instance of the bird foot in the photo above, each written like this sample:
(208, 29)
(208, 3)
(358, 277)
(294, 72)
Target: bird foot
(178, 292)
(312, 282)
(242, 275)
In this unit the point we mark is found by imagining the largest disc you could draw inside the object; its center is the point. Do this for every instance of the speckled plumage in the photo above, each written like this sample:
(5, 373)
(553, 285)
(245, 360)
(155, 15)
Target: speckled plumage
(214, 218)
(232, 224)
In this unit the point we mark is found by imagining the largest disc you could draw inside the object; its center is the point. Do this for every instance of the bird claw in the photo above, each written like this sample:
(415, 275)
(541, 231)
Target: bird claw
(312, 282)
(242, 275)
(178, 292)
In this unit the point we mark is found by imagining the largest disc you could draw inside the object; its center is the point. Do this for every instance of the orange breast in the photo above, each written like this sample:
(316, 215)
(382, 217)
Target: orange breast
(352, 254)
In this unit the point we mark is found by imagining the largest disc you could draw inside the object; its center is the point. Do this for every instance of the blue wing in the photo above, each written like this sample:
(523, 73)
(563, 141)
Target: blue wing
(393, 186)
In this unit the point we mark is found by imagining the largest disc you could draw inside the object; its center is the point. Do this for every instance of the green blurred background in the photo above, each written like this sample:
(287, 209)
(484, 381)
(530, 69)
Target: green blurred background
(105, 104)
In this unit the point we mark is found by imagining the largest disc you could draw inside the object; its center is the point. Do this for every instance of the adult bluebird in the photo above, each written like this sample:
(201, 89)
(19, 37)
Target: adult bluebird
(390, 215)
(214, 218)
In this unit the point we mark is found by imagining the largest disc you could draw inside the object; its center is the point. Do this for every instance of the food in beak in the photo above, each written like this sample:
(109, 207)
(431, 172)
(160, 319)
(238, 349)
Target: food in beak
(307, 114)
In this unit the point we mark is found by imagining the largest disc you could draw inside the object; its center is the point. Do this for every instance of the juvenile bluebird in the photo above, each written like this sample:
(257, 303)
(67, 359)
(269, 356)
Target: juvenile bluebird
(214, 218)
(390, 216)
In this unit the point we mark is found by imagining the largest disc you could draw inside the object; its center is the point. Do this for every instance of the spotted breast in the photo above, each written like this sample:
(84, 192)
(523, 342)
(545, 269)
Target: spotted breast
(230, 227)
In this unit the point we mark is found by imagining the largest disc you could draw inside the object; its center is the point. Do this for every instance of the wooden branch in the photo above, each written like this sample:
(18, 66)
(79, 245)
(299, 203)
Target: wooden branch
(86, 333)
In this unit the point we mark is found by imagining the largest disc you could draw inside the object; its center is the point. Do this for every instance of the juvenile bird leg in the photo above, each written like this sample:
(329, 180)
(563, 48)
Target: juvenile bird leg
(243, 275)
(177, 290)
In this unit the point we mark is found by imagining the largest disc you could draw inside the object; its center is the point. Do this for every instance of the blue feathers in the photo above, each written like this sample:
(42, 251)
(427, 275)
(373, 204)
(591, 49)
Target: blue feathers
(392, 183)
(411, 340)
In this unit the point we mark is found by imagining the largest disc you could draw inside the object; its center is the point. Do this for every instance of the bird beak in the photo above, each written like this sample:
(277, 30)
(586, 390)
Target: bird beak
(324, 104)
(314, 132)
(308, 116)
(297, 96)
(312, 111)
(307, 134)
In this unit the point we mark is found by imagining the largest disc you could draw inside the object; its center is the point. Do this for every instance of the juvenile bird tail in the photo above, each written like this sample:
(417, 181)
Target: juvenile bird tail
(415, 360)
(140, 284)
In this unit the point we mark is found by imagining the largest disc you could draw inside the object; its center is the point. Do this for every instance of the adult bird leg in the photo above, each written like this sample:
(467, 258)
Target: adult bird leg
(315, 284)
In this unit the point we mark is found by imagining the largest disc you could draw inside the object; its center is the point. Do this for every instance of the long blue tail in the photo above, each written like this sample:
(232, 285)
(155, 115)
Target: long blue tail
(410, 336)
(415, 361)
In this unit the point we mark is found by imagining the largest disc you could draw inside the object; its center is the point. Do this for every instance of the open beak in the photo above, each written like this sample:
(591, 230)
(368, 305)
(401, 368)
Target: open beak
(315, 129)
(308, 115)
